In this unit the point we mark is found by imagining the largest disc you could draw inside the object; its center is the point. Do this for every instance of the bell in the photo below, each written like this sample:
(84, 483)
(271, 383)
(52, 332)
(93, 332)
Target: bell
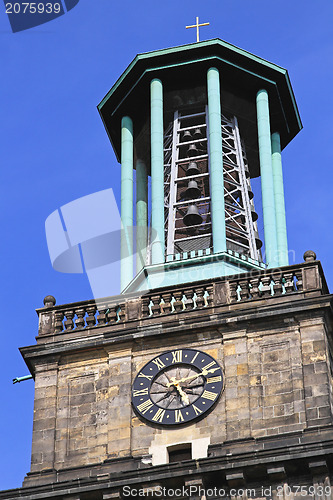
(187, 136)
(192, 169)
(192, 190)
(258, 243)
(192, 216)
(258, 240)
(250, 193)
(254, 214)
(192, 150)
(197, 134)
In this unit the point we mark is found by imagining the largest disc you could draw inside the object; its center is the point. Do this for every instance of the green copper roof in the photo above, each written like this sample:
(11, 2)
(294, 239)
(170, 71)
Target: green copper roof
(189, 47)
(242, 74)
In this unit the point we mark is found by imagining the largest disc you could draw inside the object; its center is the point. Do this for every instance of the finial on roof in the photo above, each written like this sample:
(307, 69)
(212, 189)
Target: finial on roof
(49, 301)
(309, 255)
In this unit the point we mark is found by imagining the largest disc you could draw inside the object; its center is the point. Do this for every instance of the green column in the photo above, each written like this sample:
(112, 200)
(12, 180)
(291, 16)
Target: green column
(280, 211)
(157, 171)
(141, 214)
(266, 172)
(216, 161)
(126, 239)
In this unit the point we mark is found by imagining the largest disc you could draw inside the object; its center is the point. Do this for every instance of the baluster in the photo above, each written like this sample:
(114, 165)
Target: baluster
(233, 285)
(265, 288)
(254, 290)
(208, 296)
(178, 304)
(91, 320)
(199, 299)
(289, 282)
(187, 299)
(299, 280)
(166, 297)
(69, 323)
(145, 306)
(111, 314)
(156, 309)
(244, 292)
(101, 317)
(58, 325)
(80, 322)
(277, 284)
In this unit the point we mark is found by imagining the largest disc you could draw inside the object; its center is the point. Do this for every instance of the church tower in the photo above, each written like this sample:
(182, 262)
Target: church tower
(210, 375)
(201, 120)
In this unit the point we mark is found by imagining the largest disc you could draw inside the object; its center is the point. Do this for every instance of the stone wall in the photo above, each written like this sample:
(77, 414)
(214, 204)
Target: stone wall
(277, 381)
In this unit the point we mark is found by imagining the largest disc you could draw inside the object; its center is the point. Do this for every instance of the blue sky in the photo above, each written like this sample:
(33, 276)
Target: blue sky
(54, 149)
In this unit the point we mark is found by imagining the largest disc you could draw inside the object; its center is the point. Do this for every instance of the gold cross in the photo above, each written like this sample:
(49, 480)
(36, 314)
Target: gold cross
(197, 26)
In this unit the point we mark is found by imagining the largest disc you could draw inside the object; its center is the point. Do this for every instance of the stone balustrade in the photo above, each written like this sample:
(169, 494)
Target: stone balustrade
(306, 278)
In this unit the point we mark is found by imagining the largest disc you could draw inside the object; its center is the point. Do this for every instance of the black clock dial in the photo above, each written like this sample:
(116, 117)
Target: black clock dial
(177, 387)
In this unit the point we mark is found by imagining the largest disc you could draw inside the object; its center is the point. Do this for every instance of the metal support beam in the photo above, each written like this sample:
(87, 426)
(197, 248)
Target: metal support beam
(157, 172)
(280, 210)
(216, 161)
(126, 239)
(266, 171)
(141, 214)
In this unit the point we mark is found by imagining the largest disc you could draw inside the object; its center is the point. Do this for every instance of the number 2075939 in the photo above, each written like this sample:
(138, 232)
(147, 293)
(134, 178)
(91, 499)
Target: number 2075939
(33, 8)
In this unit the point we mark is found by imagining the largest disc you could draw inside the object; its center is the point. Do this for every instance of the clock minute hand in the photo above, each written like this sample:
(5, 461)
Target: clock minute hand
(175, 382)
(204, 373)
(185, 379)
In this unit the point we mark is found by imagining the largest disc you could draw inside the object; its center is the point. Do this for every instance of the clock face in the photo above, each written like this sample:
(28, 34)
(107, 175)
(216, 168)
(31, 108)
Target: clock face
(177, 387)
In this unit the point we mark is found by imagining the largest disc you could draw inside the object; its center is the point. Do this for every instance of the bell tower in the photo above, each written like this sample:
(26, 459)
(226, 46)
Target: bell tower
(211, 375)
(189, 182)
(202, 121)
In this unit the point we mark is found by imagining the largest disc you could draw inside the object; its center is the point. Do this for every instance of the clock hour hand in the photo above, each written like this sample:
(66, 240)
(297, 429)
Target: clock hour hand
(174, 381)
(183, 394)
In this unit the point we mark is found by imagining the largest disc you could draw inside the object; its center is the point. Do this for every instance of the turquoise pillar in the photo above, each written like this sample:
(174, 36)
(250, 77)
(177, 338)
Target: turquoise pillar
(157, 172)
(216, 161)
(280, 210)
(266, 172)
(141, 214)
(126, 239)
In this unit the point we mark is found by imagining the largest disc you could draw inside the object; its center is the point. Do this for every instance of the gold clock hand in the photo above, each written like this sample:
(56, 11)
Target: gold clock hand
(175, 382)
(185, 379)
(204, 373)
(183, 394)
